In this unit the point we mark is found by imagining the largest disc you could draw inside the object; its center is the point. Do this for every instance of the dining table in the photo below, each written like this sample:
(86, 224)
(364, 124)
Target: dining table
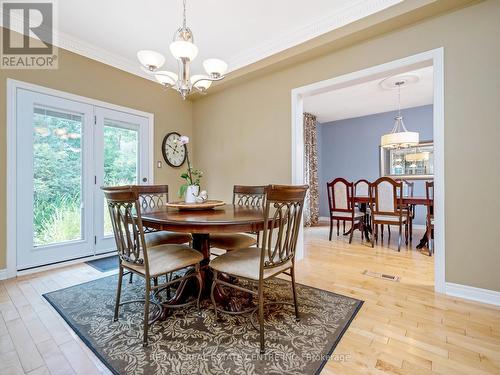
(200, 224)
(407, 201)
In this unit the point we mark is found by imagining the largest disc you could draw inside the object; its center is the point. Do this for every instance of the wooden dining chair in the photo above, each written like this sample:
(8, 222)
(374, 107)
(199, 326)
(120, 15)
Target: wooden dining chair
(408, 191)
(147, 262)
(243, 196)
(340, 193)
(282, 221)
(429, 194)
(362, 189)
(386, 204)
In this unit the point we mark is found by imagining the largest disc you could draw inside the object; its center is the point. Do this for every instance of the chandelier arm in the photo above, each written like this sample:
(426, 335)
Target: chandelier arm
(403, 124)
(208, 78)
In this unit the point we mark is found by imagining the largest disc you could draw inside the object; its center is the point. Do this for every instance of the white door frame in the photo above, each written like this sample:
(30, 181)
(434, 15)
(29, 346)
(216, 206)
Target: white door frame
(433, 57)
(12, 87)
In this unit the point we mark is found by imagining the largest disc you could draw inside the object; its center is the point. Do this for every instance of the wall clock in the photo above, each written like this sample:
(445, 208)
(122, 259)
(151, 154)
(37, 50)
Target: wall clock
(173, 152)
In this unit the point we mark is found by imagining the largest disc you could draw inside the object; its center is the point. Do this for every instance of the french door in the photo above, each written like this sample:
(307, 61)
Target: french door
(65, 151)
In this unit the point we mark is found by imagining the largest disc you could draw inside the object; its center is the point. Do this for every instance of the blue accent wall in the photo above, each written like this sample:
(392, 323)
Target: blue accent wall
(350, 149)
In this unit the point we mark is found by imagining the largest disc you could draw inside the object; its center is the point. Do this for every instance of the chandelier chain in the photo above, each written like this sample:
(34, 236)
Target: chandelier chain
(184, 14)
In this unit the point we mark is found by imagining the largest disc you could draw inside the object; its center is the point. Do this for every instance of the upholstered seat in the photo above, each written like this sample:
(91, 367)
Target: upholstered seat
(232, 242)
(164, 259)
(357, 213)
(164, 237)
(245, 263)
(278, 241)
(391, 218)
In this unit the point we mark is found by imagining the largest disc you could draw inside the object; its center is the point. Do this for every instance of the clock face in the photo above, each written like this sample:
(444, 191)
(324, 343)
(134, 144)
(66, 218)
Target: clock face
(173, 152)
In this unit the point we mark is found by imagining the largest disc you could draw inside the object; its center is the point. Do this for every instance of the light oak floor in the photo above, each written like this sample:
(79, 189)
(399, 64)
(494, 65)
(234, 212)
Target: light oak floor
(402, 328)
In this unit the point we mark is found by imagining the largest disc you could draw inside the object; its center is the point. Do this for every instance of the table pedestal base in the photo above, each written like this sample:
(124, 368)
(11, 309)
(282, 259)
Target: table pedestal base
(229, 299)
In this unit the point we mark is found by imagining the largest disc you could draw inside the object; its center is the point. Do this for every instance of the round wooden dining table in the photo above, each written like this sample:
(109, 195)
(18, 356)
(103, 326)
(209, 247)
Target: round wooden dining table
(201, 223)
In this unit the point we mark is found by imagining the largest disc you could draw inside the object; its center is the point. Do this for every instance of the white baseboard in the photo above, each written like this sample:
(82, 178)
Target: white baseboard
(472, 293)
(64, 264)
(3, 274)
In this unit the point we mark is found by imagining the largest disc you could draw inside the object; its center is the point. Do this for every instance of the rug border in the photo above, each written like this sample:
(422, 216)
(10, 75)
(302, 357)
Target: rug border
(105, 362)
(83, 338)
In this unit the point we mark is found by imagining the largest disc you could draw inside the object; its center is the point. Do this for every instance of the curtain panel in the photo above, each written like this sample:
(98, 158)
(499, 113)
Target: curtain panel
(311, 206)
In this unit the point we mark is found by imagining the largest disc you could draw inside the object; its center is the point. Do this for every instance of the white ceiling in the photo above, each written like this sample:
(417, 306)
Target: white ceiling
(240, 32)
(369, 98)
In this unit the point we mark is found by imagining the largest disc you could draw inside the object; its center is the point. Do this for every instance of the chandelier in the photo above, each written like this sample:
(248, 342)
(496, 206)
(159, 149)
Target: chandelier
(185, 51)
(399, 137)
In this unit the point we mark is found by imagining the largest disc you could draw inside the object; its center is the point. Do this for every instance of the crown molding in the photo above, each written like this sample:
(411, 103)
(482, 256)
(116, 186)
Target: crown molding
(83, 48)
(342, 17)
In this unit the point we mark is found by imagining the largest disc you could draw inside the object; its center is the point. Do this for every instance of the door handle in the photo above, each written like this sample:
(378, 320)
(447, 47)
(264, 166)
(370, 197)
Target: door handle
(144, 179)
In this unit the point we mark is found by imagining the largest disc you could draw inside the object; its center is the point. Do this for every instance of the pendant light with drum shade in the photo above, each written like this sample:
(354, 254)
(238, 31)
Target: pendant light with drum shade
(185, 51)
(399, 137)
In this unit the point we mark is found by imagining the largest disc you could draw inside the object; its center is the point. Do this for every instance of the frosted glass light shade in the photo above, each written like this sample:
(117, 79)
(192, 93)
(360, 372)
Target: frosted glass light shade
(215, 66)
(182, 49)
(203, 85)
(399, 139)
(166, 78)
(151, 59)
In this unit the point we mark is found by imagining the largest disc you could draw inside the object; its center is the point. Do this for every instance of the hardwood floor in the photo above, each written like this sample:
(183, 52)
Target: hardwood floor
(402, 328)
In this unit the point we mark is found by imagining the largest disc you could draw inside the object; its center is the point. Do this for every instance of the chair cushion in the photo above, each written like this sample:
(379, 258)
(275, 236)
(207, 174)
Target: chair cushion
(245, 263)
(357, 214)
(164, 259)
(232, 241)
(164, 237)
(395, 219)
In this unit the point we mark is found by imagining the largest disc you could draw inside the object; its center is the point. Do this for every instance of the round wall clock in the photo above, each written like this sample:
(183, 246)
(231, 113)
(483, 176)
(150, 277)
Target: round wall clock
(173, 152)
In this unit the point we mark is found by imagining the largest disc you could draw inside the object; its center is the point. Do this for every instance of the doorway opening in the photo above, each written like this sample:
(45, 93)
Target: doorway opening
(62, 149)
(430, 62)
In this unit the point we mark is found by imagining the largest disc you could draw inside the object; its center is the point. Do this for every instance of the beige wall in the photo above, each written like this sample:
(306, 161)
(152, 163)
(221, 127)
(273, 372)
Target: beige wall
(89, 78)
(243, 134)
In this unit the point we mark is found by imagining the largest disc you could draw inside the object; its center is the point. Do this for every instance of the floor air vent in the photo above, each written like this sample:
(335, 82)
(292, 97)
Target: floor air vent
(379, 275)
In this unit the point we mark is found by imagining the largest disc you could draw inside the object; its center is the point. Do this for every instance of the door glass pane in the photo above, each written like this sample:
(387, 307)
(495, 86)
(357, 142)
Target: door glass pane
(121, 159)
(57, 177)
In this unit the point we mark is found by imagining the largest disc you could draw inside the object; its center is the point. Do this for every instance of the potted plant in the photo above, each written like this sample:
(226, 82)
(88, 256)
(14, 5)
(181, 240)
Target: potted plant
(191, 188)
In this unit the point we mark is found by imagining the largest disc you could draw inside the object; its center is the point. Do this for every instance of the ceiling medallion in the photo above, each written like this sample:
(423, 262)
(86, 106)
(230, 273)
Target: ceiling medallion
(185, 51)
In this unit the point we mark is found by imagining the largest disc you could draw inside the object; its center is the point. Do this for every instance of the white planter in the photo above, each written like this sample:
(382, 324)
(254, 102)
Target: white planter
(192, 193)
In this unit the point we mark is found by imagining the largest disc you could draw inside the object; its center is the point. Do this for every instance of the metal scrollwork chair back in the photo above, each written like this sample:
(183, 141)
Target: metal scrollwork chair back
(282, 220)
(283, 215)
(124, 209)
(150, 261)
(151, 197)
(250, 196)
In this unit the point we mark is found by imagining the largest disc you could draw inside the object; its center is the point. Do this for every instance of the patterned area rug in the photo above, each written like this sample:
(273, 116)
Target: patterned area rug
(193, 342)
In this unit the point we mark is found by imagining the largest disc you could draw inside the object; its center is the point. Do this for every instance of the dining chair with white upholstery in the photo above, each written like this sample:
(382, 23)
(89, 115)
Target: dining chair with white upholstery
(253, 197)
(362, 188)
(137, 257)
(386, 204)
(282, 221)
(340, 193)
